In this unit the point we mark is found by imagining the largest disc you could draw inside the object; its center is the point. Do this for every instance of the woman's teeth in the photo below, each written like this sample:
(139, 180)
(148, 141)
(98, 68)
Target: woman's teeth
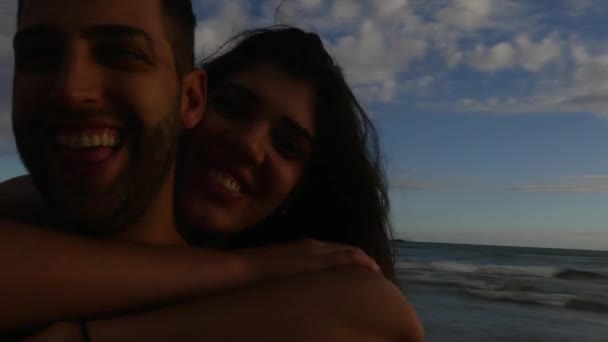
(87, 140)
(226, 181)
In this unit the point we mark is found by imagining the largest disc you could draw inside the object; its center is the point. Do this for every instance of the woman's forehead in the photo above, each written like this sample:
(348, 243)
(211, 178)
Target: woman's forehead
(272, 88)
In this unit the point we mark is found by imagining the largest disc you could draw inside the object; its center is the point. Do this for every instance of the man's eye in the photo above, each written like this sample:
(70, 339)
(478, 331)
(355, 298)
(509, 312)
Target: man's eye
(116, 56)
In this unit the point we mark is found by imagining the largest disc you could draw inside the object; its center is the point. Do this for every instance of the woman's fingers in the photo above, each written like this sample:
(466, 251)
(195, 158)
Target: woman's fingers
(337, 254)
(305, 256)
(351, 256)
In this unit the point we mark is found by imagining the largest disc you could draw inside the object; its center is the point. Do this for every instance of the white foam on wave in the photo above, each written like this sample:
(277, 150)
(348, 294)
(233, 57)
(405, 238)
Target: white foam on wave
(597, 303)
(550, 299)
(458, 267)
(445, 280)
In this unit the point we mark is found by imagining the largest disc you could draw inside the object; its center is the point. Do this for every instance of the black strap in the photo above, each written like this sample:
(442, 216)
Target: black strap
(85, 332)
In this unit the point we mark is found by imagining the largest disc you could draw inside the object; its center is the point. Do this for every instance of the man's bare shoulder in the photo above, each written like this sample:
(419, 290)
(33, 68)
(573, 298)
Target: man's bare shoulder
(21, 201)
(371, 305)
(380, 305)
(17, 183)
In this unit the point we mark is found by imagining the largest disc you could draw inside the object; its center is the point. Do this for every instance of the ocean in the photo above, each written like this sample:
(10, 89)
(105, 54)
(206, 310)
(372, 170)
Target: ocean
(487, 293)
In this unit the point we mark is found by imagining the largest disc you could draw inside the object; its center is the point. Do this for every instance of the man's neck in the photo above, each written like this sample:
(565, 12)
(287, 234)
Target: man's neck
(157, 224)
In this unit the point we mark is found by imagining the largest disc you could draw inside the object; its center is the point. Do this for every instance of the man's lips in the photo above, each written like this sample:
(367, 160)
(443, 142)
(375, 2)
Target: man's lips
(96, 122)
(90, 150)
(88, 138)
(96, 166)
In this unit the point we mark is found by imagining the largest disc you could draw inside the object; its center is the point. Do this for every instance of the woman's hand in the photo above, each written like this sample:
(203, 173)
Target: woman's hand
(303, 256)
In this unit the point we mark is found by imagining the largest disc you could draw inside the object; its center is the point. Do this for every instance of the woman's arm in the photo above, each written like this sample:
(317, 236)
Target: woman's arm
(340, 305)
(49, 276)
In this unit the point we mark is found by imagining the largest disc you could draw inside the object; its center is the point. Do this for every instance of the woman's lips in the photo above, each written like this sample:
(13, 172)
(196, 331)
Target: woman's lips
(222, 186)
(226, 180)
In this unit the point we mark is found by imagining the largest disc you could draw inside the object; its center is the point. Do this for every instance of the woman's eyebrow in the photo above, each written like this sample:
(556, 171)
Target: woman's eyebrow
(300, 132)
(241, 91)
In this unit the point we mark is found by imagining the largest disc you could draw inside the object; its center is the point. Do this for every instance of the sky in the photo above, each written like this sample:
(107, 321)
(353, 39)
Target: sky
(492, 114)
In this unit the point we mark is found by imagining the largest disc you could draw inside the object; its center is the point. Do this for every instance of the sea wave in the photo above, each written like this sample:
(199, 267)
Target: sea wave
(567, 301)
(572, 273)
(569, 288)
(507, 270)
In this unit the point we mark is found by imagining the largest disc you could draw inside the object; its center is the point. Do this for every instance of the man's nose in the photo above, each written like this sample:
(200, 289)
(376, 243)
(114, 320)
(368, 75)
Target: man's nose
(78, 83)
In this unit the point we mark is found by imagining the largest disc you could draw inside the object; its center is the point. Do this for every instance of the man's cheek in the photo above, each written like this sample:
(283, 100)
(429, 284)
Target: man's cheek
(24, 105)
(151, 110)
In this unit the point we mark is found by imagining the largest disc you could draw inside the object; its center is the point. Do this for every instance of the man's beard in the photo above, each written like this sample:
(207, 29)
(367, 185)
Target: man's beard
(151, 154)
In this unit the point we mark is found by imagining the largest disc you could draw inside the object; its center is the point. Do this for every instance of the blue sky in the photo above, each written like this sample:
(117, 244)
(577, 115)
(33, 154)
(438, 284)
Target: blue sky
(493, 114)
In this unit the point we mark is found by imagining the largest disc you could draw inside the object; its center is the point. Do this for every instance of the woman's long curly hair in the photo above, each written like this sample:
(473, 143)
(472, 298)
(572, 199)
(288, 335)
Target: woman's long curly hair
(343, 195)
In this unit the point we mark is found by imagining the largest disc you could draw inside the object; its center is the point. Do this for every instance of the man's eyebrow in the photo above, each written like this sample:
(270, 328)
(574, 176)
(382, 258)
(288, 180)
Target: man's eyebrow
(248, 95)
(117, 32)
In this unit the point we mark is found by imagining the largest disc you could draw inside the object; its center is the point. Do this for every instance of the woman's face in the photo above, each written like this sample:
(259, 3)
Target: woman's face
(249, 151)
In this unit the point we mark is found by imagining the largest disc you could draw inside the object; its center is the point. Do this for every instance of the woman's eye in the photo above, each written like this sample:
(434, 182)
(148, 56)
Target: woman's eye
(289, 149)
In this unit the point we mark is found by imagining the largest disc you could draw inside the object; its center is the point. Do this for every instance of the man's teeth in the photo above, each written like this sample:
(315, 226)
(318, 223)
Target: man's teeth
(226, 181)
(87, 140)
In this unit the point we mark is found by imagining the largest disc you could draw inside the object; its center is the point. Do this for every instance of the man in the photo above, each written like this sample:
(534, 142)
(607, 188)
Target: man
(99, 98)
(101, 91)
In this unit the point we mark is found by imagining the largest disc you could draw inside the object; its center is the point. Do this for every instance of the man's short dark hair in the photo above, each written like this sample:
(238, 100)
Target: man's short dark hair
(181, 25)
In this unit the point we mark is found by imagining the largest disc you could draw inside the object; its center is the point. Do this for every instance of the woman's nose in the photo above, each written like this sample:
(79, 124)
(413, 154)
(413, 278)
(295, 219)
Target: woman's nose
(252, 142)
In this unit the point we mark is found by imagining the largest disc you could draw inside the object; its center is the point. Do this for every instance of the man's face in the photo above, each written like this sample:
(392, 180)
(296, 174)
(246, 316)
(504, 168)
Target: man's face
(95, 107)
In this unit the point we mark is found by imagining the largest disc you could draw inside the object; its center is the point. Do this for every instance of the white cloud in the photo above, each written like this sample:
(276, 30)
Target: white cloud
(311, 5)
(390, 7)
(522, 52)
(466, 15)
(500, 56)
(425, 81)
(392, 46)
(373, 59)
(377, 42)
(569, 184)
(231, 18)
(533, 56)
(579, 7)
(580, 89)
(346, 9)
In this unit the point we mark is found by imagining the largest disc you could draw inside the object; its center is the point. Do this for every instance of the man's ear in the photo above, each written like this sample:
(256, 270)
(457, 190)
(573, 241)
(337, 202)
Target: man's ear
(194, 98)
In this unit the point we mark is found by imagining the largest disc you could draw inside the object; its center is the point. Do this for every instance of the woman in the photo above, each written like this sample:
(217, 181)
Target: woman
(285, 152)
(282, 80)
